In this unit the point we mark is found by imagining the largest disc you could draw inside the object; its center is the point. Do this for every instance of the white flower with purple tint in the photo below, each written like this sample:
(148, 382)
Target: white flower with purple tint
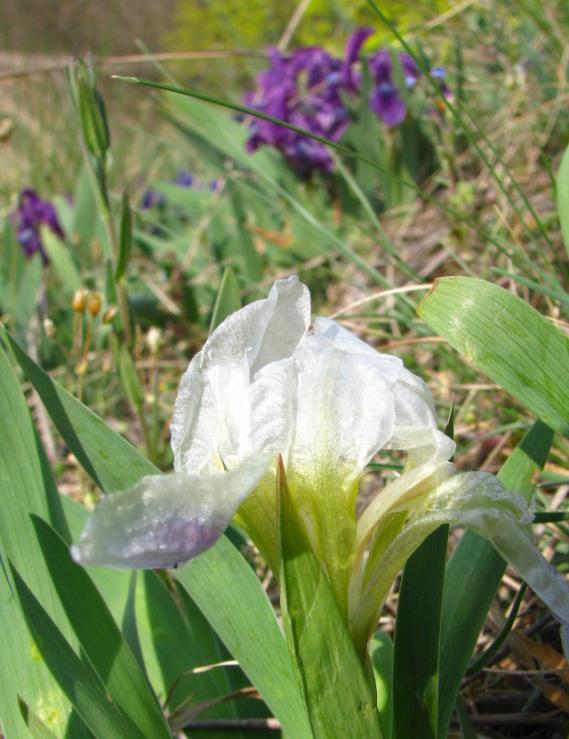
(268, 383)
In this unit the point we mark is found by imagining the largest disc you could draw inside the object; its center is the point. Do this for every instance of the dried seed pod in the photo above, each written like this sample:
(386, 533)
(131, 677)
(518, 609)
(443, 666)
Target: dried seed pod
(79, 301)
(94, 303)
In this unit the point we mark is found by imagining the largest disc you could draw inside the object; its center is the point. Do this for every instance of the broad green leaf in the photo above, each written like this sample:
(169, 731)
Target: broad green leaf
(76, 678)
(506, 339)
(416, 657)
(62, 261)
(381, 654)
(338, 697)
(563, 197)
(88, 437)
(23, 674)
(219, 581)
(228, 299)
(99, 636)
(474, 573)
(232, 600)
(35, 725)
(24, 492)
(174, 644)
(113, 585)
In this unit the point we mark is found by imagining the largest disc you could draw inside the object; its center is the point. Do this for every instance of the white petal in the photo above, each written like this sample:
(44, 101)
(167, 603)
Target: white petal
(344, 406)
(414, 411)
(414, 407)
(165, 520)
(479, 501)
(211, 418)
(426, 469)
(343, 339)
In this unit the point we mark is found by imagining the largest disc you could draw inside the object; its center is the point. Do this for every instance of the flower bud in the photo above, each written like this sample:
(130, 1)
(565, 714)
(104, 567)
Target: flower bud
(79, 302)
(94, 303)
(49, 328)
(154, 340)
(109, 314)
(6, 128)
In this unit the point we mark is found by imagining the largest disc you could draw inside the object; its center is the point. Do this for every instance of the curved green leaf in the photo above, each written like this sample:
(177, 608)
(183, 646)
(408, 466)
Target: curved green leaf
(563, 197)
(337, 694)
(506, 339)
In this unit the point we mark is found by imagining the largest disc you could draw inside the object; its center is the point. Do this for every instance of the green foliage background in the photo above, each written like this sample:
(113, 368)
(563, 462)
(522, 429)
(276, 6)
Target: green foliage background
(256, 24)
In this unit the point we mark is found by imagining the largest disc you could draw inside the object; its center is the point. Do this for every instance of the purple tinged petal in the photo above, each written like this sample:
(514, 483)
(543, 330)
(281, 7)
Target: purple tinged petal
(410, 70)
(351, 56)
(388, 104)
(184, 178)
(380, 65)
(31, 214)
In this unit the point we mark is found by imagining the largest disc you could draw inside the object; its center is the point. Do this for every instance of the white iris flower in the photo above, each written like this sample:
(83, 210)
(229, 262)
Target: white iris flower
(266, 384)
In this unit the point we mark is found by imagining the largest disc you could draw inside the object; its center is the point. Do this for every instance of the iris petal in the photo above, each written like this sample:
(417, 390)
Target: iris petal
(165, 520)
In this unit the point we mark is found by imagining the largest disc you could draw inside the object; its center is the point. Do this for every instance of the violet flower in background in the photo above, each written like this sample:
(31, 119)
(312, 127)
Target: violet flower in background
(308, 89)
(302, 89)
(385, 99)
(352, 78)
(410, 70)
(32, 213)
(439, 74)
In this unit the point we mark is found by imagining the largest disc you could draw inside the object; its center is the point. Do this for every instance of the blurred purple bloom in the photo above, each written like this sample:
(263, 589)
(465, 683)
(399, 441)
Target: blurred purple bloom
(439, 74)
(32, 213)
(151, 199)
(353, 48)
(302, 89)
(410, 70)
(386, 100)
(184, 178)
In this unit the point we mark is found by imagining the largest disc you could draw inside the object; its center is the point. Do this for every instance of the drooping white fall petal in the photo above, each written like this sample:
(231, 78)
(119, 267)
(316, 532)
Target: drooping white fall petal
(165, 519)
(471, 499)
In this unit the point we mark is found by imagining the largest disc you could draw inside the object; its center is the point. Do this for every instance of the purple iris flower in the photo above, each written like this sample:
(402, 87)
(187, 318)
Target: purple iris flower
(356, 40)
(32, 213)
(151, 199)
(410, 70)
(184, 178)
(386, 100)
(439, 74)
(302, 89)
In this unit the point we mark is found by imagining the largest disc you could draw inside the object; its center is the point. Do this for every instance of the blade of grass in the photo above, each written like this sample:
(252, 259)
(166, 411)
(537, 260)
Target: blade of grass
(228, 299)
(563, 197)
(468, 134)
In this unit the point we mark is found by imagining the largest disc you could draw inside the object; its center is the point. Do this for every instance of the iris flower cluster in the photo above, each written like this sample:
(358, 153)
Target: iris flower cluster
(309, 89)
(31, 214)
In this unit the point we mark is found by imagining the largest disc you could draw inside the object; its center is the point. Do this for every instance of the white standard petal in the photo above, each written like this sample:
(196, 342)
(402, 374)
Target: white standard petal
(414, 412)
(165, 520)
(214, 386)
(344, 406)
(414, 407)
